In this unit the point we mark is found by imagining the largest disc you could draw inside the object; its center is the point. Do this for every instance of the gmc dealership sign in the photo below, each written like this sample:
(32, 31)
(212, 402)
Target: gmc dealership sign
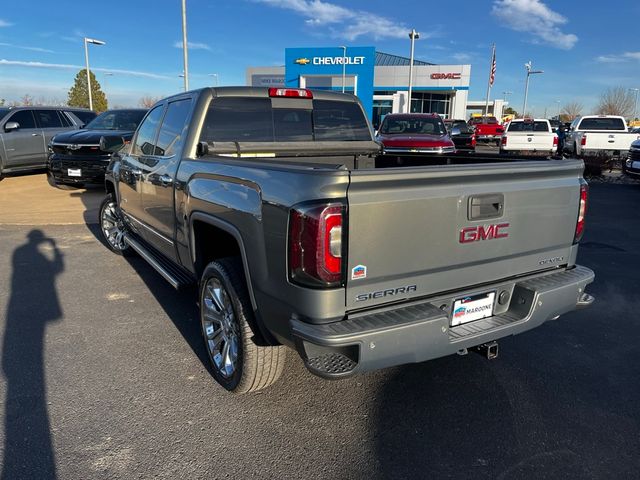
(446, 76)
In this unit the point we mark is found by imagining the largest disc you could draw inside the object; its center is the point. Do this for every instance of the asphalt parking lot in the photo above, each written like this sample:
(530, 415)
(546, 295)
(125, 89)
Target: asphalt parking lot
(104, 376)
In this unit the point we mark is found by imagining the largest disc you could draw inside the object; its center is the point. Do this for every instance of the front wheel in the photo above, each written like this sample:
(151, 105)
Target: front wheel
(237, 362)
(112, 227)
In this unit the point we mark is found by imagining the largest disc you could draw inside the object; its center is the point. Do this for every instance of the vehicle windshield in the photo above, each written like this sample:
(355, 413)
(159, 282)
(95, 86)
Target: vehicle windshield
(601, 124)
(528, 127)
(3, 112)
(127, 120)
(404, 125)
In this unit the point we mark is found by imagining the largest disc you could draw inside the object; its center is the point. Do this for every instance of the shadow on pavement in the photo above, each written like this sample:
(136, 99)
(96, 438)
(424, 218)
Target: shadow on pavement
(180, 306)
(28, 451)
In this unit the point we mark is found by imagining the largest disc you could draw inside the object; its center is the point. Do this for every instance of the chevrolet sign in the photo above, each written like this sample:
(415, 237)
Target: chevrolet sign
(302, 61)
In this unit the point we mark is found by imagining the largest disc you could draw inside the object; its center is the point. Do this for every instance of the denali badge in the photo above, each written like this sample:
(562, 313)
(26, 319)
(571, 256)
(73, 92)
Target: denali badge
(484, 232)
(385, 293)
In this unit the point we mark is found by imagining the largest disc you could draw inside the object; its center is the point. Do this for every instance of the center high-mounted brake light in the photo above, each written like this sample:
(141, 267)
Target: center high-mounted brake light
(582, 211)
(315, 245)
(290, 92)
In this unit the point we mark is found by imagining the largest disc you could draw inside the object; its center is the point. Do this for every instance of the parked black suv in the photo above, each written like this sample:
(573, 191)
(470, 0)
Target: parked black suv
(75, 157)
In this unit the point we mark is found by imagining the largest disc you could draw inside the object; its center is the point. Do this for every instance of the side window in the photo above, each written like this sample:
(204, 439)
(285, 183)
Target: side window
(174, 128)
(64, 119)
(24, 118)
(145, 139)
(48, 119)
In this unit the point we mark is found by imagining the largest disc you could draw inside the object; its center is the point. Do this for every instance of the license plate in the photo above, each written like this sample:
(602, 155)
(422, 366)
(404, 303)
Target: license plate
(74, 172)
(472, 308)
(635, 165)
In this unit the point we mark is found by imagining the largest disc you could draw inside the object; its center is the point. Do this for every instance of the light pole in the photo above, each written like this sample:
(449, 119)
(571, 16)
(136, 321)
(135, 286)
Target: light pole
(635, 109)
(86, 59)
(526, 88)
(558, 102)
(413, 35)
(214, 75)
(185, 55)
(504, 96)
(344, 65)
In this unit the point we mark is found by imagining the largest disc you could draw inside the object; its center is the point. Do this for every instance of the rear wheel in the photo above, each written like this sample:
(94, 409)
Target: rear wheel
(237, 362)
(112, 227)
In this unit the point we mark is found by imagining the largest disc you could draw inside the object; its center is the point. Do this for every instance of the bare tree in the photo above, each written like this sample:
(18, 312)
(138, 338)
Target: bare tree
(572, 110)
(26, 100)
(147, 101)
(616, 101)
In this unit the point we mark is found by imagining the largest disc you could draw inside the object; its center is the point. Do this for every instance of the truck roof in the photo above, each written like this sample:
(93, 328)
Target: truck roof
(263, 92)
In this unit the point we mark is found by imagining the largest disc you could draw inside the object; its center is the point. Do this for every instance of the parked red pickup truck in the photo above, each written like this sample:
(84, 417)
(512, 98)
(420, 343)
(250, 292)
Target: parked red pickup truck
(487, 129)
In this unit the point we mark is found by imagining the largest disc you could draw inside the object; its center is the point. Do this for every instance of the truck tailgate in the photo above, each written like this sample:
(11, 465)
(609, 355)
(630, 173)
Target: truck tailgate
(609, 140)
(410, 232)
(529, 141)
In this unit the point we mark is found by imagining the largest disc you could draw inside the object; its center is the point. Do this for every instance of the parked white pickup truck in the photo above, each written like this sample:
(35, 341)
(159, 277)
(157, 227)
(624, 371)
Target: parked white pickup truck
(529, 136)
(599, 139)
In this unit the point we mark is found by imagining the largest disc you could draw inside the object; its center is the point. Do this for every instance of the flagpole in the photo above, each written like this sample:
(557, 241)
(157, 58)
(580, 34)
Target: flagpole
(486, 105)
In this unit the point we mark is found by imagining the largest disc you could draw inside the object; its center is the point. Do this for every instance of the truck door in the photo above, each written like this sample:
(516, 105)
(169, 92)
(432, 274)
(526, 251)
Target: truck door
(158, 175)
(141, 152)
(24, 146)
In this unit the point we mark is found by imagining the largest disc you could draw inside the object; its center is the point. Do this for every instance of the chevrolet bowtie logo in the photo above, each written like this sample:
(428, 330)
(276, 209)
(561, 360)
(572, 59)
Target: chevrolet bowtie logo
(302, 61)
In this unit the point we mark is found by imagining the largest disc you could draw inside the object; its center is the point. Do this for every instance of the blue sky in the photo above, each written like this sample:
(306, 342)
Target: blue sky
(583, 46)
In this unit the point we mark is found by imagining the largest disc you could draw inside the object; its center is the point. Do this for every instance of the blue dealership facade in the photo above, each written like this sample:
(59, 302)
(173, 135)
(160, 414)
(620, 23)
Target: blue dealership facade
(380, 80)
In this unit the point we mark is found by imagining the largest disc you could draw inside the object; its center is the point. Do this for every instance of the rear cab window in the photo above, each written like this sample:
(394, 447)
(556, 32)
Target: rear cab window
(242, 119)
(533, 126)
(601, 123)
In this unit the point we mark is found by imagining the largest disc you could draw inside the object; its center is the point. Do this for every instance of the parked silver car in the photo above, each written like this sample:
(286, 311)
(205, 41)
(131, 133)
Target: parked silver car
(25, 133)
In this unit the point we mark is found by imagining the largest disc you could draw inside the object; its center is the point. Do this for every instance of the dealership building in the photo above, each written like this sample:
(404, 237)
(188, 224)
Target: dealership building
(379, 79)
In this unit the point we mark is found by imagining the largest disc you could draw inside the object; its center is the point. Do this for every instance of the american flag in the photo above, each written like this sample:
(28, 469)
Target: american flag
(492, 75)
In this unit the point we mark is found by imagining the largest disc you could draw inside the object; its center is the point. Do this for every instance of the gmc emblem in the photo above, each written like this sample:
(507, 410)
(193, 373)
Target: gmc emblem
(446, 76)
(484, 232)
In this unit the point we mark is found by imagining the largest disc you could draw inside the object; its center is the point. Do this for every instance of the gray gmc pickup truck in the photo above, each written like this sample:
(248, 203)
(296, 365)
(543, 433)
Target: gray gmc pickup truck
(276, 202)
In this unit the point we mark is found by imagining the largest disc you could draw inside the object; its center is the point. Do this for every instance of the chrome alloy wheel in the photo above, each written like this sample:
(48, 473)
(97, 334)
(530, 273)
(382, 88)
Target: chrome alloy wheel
(220, 327)
(113, 226)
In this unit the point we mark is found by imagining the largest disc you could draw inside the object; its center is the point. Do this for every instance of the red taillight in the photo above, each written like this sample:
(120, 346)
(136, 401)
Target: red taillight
(504, 141)
(473, 140)
(290, 92)
(582, 211)
(555, 141)
(315, 245)
(583, 142)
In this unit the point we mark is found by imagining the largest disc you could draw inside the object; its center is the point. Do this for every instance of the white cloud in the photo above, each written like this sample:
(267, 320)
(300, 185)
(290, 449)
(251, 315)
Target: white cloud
(534, 18)
(461, 57)
(192, 45)
(63, 66)
(4, 23)
(22, 47)
(342, 22)
(619, 58)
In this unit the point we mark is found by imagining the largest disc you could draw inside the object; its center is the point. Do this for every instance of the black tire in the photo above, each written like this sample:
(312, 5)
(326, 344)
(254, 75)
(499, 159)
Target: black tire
(256, 367)
(112, 227)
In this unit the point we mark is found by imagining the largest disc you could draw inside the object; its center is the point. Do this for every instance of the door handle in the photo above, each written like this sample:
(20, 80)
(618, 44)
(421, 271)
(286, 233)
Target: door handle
(165, 180)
